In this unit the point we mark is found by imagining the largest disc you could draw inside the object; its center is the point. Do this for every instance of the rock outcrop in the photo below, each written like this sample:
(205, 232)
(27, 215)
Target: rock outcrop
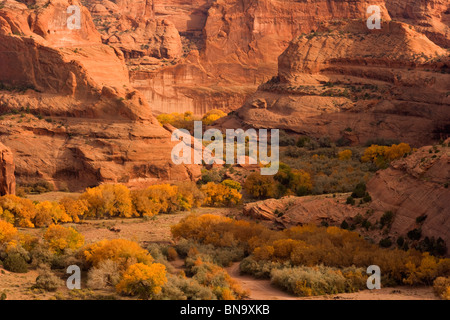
(416, 186)
(69, 114)
(7, 178)
(346, 81)
(292, 211)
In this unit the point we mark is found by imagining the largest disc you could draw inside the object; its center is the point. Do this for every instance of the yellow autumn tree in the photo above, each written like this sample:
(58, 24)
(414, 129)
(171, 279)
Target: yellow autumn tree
(144, 281)
(48, 213)
(7, 232)
(21, 209)
(75, 208)
(382, 155)
(109, 200)
(123, 252)
(397, 151)
(217, 195)
(213, 115)
(345, 155)
(60, 239)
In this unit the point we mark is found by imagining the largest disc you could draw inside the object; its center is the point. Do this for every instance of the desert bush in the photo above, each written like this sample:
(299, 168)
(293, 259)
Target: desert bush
(212, 175)
(220, 195)
(41, 254)
(260, 268)
(108, 201)
(216, 278)
(286, 139)
(441, 286)
(123, 252)
(47, 280)
(306, 281)
(144, 281)
(106, 274)
(345, 155)
(291, 181)
(172, 254)
(16, 263)
(385, 242)
(182, 288)
(387, 219)
(232, 184)
(414, 234)
(59, 239)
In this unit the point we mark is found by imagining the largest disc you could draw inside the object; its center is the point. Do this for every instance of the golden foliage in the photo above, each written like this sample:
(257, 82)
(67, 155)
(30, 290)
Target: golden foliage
(143, 280)
(220, 195)
(213, 115)
(60, 239)
(74, 208)
(48, 213)
(108, 201)
(21, 209)
(345, 155)
(123, 252)
(310, 245)
(382, 155)
(7, 232)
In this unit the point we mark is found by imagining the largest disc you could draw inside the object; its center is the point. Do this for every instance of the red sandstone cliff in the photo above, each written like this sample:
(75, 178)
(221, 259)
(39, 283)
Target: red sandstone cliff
(390, 83)
(80, 123)
(232, 46)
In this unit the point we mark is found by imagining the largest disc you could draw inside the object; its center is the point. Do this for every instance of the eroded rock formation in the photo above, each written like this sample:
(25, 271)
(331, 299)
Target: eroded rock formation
(69, 114)
(231, 46)
(7, 178)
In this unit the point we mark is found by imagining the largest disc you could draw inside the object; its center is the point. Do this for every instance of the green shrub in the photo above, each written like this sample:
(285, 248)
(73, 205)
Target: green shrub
(350, 200)
(387, 219)
(421, 218)
(344, 225)
(359, 191)
(385, 243)
(415, 234)
(15, 263)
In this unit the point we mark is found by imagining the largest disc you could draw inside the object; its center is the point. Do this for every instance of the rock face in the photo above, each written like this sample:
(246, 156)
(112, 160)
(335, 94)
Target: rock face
(132, 27)
(80, 122)
(230, 47)
(7, 178)
(346, 81)
(416, 186)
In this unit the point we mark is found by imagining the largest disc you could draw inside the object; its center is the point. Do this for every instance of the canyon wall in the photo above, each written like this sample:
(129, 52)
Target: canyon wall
(350, 83)
(70, 116)
(229, 47)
